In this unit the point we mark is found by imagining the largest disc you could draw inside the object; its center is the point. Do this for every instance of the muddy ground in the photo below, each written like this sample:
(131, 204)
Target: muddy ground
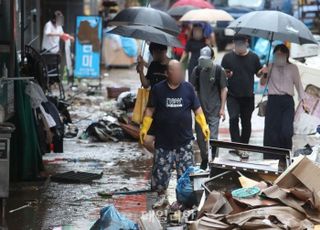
(124, 165)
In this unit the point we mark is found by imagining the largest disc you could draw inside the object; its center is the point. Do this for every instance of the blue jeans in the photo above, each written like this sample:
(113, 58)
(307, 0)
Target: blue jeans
(163, 164)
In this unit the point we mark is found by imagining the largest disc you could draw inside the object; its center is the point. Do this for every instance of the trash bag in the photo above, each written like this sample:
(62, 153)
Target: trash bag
(140, 105)
(126, 100)
(302, 127)
(111, 219)
(184, 190)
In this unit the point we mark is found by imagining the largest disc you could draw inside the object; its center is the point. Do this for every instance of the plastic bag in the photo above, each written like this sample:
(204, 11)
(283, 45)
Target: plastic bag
(184, 190)
(140, 105)
(306, 124)
(111, 219)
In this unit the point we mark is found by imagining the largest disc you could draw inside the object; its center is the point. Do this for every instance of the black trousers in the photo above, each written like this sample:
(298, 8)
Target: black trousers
(278, 130)
(240, 108)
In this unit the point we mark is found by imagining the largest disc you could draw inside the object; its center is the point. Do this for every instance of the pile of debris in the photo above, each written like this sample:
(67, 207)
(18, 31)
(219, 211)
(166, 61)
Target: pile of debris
(111, 119)
(251, 193)
(292, 201)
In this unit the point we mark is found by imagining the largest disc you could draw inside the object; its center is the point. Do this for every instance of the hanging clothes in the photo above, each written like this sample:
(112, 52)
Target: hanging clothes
(36, 94)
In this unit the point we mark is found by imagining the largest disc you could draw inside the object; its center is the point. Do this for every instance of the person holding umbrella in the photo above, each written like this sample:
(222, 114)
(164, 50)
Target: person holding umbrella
(157, 68)
(276, 25)
(241, 65)
(283, 77)
(156, 73)
(172, 102)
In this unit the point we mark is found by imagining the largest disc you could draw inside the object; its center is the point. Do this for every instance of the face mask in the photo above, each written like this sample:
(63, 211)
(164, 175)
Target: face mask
(240, 47)
(60, 21)
(205, 63)
(280, 60)
(197, 34)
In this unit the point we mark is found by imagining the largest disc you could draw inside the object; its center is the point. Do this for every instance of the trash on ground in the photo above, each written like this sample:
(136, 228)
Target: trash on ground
(76, 177)
(149, 220)
(184, 189)
(123, 191)
(292, 201)
(111, 219)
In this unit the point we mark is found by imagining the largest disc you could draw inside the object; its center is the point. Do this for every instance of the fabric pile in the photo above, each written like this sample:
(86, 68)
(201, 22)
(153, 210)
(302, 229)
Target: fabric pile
(50, 127)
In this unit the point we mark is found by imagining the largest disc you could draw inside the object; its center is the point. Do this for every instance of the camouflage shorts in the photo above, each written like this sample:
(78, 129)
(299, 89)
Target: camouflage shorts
(163, 164)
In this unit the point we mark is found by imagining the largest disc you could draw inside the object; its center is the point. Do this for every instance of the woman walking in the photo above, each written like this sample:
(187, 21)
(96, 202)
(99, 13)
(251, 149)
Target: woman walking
(197, 41)
(283, 78)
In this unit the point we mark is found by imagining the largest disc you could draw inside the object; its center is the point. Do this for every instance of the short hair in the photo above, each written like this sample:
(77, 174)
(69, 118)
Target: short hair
(155, 46)
(240, 37)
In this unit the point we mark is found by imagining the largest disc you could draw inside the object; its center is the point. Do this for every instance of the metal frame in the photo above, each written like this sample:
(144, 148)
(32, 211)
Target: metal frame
(284, 155)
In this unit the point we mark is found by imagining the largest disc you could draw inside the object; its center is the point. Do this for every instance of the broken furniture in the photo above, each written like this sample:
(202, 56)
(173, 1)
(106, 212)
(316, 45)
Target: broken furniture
(262, 160)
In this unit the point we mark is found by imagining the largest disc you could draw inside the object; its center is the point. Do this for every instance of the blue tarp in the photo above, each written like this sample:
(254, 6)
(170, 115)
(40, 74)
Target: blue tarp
(184, 188)
(129, 46)
(111, 219)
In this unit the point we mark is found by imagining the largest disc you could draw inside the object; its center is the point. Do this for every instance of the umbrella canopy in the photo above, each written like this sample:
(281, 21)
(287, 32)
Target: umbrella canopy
(196, 3)
(147, 33)
(180, 10)
(146, 16)
(207, 15)
(273, 25)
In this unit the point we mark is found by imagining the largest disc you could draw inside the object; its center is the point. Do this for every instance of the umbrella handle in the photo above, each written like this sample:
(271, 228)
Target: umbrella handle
(271, 40)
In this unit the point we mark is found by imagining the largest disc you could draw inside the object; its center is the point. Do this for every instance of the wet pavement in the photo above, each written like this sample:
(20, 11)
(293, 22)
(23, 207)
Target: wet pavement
(125, 166)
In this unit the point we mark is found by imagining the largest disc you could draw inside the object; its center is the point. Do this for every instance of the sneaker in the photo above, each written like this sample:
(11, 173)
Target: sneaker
(162, 201)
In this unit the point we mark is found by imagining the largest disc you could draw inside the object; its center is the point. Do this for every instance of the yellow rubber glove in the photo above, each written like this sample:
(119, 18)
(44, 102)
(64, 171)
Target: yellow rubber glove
(201, 120)
(146, 124)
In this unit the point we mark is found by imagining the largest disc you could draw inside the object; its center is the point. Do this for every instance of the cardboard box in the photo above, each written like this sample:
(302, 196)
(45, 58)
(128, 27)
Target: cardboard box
(302, 171)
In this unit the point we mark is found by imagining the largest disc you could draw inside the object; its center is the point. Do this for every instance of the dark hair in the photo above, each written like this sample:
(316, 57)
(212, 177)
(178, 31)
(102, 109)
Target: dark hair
(155, 46)
(240, 37)
(283, 49)
(54, 16)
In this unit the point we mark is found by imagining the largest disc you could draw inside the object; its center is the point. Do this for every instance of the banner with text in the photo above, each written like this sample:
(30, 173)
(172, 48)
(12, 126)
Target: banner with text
(88, 47)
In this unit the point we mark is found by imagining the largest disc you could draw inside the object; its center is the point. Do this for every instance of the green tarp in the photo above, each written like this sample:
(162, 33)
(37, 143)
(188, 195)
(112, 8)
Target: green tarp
(25, 158)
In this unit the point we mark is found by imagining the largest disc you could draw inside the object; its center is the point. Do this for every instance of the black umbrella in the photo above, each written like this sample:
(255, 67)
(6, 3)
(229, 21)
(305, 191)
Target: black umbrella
(147, 33)
(179, 11)
(146, 16)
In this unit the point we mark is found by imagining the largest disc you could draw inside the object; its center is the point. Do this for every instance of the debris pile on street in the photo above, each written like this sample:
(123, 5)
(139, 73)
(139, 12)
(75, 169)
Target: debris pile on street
(290, 202)
(110, 120)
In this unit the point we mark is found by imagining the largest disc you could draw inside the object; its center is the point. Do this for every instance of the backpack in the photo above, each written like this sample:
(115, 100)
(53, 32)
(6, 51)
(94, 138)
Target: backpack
(217, 75)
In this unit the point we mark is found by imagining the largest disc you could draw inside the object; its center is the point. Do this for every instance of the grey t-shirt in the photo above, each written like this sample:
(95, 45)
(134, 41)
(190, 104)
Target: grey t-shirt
(208, 88)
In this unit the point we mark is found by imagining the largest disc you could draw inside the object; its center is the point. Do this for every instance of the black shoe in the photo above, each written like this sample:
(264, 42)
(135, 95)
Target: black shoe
(204, 164)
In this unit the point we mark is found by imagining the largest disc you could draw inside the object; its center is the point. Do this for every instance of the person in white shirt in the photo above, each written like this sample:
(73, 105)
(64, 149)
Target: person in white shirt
(53, 32)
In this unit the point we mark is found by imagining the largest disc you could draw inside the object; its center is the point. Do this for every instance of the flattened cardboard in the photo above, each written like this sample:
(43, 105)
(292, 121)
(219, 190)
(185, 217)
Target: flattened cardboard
(308, 173)
(287, 179)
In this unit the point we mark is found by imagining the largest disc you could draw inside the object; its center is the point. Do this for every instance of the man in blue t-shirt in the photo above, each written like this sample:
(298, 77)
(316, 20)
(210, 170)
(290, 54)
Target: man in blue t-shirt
(170, 109)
